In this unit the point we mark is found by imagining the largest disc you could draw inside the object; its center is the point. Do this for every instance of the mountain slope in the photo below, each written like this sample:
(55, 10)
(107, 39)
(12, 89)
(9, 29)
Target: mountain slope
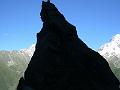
(14, 63)
(12, 67)
(111, 51)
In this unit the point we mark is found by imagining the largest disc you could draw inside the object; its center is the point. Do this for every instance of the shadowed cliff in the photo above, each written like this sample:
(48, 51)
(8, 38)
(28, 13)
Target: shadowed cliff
(62, 61)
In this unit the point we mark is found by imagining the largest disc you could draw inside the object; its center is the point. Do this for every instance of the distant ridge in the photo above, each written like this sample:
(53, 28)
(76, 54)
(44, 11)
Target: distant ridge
(111, 51)
(12, 66)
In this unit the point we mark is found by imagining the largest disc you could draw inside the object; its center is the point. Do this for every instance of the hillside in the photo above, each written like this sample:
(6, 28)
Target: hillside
(12, 67)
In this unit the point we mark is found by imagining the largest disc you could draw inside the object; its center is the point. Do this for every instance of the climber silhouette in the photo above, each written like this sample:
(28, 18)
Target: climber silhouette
(47, 1)
(62, 61)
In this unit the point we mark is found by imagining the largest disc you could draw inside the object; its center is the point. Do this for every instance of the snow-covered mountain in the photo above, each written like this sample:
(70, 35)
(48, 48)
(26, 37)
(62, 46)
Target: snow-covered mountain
(111, 52)
(111, 48)
(29, 50)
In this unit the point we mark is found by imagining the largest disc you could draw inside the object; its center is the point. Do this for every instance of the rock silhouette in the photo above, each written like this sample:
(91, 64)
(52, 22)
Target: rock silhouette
(62, 61)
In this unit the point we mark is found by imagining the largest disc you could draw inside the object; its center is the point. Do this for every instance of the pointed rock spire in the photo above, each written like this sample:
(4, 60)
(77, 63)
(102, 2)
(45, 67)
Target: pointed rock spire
(62, 61)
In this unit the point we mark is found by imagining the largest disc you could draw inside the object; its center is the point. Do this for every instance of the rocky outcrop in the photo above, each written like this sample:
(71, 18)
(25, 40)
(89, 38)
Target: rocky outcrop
(62, 61)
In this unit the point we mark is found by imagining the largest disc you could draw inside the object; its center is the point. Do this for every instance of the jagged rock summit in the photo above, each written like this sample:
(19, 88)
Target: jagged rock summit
(62, 61)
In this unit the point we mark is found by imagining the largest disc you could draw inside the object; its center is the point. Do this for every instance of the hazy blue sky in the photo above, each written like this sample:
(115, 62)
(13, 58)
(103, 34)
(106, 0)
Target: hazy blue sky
(96, 21)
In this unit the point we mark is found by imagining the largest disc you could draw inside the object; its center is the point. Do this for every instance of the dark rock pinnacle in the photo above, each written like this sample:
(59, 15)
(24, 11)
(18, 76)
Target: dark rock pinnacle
(62, 61)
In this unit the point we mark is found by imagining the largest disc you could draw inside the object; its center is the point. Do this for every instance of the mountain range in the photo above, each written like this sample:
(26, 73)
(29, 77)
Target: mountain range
(13, 63)
(12, 67)
(111, 52)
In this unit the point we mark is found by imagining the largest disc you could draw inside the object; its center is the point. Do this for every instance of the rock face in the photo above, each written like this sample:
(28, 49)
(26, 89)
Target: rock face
(62, 61)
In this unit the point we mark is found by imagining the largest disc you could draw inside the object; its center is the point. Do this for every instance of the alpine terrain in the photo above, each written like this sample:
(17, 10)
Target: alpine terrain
(13, 63)
(111, 52)
(12, 67)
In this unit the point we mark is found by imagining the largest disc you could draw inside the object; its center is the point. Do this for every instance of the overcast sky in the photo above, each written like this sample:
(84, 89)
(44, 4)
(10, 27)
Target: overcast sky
(96, 21)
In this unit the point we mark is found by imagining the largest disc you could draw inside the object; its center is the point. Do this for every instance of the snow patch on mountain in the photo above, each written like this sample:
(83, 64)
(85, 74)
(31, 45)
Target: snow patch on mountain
(111, 48)
(111, 51)
(29, 50)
